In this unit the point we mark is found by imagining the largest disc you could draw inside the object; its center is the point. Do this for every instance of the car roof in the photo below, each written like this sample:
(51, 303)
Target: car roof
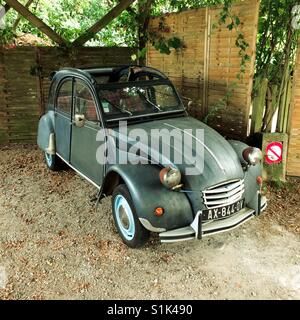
(94, 72)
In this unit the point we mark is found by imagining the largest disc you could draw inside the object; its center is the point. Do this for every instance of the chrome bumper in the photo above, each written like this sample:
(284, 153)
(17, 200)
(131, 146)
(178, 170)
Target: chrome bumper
(196, 231)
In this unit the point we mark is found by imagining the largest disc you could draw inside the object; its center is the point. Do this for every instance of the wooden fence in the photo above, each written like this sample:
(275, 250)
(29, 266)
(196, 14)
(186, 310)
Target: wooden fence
(209, 63)
(293, 159)
(24, 82)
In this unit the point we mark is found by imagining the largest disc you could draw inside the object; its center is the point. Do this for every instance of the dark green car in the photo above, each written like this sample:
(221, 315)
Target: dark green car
(126, 131)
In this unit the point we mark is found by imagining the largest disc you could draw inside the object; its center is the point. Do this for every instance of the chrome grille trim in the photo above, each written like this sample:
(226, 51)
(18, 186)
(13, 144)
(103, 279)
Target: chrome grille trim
(224, 194)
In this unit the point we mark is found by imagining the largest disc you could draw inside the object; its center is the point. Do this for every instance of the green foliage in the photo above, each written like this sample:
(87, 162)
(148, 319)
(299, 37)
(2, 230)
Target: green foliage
(164, 45)
(71, 17)
(277, 40)
(6, 36)
(275, 59)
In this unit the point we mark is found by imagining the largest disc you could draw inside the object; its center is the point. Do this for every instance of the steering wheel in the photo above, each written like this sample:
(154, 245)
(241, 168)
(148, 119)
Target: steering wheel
(129, 74)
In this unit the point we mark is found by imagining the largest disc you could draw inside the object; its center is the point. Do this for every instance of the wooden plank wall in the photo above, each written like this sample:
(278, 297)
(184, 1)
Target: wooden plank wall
(209, 63)
(24, 82)
(293, 159)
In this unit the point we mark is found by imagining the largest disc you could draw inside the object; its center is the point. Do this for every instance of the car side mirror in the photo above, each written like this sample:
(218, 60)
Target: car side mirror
(79, 120)
(190, 104)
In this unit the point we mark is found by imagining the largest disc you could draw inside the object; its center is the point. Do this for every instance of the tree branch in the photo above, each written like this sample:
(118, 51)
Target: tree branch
(103, 22)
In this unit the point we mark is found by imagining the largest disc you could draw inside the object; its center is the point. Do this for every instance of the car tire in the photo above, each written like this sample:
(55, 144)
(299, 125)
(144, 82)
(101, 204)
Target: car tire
(53, 162)
(127, 223)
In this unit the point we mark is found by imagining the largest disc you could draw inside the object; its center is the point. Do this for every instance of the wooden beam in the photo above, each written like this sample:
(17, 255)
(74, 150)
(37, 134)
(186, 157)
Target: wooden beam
(15, 4)
(103, 22)
(27, 5)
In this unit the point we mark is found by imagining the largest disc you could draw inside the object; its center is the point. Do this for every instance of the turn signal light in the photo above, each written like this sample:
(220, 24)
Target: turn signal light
(259, 180)
(159, 211)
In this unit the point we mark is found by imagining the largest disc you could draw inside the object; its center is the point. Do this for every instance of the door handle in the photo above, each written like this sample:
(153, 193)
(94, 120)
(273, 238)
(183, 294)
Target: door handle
(79, 120)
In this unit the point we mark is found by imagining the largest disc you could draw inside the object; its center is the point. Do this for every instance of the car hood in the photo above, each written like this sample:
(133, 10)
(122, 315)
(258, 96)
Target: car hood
(216, 160)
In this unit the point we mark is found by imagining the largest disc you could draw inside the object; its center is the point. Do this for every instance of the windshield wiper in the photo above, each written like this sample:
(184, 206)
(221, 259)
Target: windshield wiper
(149, 101)
(123, 110)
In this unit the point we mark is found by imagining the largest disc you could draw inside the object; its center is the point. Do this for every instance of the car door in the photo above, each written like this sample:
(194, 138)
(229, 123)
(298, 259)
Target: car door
(63, 107)
(83, 137)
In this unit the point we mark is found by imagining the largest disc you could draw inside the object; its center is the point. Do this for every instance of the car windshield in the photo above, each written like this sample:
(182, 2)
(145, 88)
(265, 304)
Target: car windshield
(138, 99)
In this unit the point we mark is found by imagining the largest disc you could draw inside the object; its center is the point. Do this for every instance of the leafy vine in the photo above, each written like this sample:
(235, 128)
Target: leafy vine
(159, 40)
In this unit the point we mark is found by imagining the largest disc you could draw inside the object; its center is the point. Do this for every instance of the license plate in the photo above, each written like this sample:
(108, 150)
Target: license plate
(223, 212)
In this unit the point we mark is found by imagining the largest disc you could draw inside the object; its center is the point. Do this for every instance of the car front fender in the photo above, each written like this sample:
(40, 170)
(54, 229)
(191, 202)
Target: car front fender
(148, 193)
(252, 188)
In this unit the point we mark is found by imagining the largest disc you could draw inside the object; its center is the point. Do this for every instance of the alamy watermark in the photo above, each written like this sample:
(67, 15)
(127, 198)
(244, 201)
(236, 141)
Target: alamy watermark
(2, 14)
(167, 146)
(3, 277)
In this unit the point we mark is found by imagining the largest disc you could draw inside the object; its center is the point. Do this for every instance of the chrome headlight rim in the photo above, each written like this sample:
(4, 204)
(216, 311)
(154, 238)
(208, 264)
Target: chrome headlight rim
(170, 177)
(252, 155)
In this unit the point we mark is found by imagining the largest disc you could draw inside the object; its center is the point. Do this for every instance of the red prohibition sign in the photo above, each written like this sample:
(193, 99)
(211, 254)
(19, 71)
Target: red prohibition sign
(274, 153)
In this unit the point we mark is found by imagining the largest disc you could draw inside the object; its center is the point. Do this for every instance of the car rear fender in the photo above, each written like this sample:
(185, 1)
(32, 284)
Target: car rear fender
(46, 133)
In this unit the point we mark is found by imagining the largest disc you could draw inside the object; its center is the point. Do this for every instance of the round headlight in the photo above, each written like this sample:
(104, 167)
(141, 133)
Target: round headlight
(170, 177)
(252, 155)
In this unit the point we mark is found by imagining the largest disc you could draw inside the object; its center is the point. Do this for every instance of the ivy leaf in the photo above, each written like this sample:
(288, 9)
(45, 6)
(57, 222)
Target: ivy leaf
(230, 26)
(247, 57)
(237, 21)
(142, 53)
(175, 43)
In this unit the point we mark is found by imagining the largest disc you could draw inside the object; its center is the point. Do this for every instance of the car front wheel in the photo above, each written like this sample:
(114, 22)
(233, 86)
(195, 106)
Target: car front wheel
(128, 225)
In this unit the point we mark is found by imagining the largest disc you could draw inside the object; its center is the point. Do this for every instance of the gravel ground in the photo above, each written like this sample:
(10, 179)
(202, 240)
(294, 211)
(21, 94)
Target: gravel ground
(54, 244)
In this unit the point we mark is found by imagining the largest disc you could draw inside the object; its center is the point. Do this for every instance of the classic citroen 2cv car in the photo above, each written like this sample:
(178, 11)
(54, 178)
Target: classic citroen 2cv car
(151, 190)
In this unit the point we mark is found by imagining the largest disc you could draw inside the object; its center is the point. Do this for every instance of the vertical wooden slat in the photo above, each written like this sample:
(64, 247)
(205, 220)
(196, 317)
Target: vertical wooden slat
(206, 59)
(3, 101)
(293, 159)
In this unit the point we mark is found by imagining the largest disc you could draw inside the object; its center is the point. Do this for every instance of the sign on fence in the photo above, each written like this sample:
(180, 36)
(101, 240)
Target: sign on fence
(274, 153)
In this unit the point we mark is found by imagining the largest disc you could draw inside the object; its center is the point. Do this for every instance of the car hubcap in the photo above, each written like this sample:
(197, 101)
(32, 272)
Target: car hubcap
(48, 159)
(124, 217)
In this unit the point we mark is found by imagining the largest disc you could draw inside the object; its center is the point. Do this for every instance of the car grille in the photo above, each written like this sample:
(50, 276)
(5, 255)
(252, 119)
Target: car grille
(224, 194)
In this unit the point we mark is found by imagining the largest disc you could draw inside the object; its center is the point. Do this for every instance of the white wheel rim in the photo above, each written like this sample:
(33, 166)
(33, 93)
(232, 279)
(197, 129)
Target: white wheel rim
(124, 217)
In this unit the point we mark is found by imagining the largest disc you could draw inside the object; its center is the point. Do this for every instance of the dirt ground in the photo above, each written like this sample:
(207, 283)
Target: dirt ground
(54, 244)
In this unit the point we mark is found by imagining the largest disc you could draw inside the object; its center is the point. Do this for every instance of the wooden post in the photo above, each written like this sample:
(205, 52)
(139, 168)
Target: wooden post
(287, 106)
(275, 172)
(261, 85)
(143, 22)
(111, 15)
(272, 108)
(206, 62)
(40, 87)
(36, 21)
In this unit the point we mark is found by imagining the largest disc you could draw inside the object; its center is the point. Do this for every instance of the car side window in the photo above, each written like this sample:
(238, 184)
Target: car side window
(84, 101)
(64, 98)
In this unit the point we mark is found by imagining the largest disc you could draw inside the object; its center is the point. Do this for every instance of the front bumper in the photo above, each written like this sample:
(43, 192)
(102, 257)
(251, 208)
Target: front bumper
(197, 229)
